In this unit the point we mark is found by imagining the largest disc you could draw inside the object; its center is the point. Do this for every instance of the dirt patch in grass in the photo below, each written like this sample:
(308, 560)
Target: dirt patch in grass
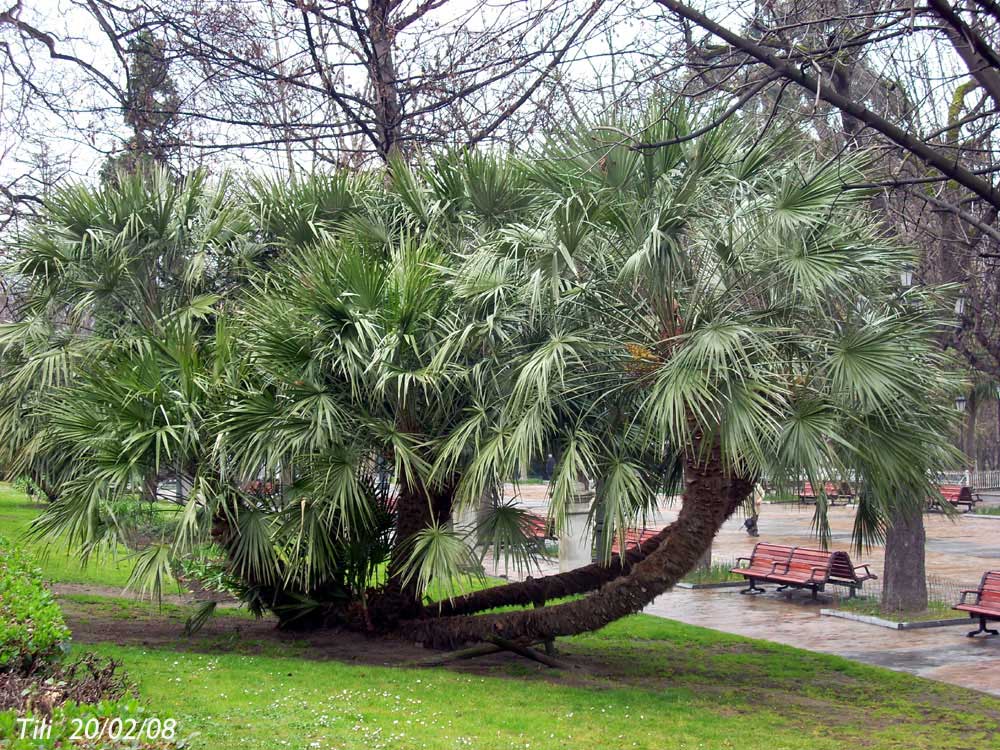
(113, 592)
(593, 662)
(113, 621)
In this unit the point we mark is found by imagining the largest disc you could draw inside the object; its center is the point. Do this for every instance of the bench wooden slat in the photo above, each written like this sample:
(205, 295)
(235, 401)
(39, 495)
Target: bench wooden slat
(633, 538)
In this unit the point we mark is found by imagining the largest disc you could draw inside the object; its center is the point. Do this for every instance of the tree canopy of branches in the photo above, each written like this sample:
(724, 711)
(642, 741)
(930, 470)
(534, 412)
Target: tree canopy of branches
(295, 83)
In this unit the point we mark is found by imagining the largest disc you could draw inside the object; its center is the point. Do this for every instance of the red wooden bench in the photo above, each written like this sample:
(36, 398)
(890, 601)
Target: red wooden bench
(987, 604)
(845, 573)
(763, 561)
(799, 567)
(958, 495)
(832, 491)
(633, 538)
(540, 527)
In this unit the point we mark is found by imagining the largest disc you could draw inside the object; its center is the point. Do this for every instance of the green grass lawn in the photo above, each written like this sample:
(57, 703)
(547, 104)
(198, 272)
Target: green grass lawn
(644, 682)
(641, 683)
(717, 572)
(58, 564)
(862, 605)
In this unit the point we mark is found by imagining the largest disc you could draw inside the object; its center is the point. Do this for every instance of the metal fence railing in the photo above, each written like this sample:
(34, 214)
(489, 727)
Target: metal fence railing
(941, 591)
(979, 479)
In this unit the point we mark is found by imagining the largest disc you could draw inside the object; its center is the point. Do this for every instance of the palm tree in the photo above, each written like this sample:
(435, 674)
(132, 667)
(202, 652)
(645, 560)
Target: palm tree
(725, 301)
(362, 362)
(109, 366)
(71, 264)
(345, 362)
(720, 309)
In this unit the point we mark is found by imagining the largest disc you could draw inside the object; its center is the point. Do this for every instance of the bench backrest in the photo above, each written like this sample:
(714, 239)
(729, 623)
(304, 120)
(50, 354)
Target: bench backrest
(633, 538)
(805, 560)
(765, 553)
(536, 526)
(830, 489)
(989, 588)
(950, 492)
(842, 567)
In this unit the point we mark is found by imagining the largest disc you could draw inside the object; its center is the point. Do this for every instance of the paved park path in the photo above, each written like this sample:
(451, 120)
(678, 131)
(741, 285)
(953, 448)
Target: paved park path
(958, 552)
(938, 653)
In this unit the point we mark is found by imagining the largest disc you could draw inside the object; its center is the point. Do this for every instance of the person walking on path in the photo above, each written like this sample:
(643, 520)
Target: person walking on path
(751, 523)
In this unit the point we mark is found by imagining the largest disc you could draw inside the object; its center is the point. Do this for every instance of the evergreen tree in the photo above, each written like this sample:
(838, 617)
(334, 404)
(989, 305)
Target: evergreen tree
(150, 113)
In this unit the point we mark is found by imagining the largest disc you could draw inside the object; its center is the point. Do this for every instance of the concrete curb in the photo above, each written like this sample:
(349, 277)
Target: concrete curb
(981, 516)
(892, 624)
(718, 585)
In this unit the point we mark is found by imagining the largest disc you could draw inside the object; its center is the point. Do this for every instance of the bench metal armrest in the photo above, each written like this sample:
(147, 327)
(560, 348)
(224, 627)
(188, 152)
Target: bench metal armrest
(868, 573)
(825, 571)
(775, 565)
(967, 592)
(743, 559)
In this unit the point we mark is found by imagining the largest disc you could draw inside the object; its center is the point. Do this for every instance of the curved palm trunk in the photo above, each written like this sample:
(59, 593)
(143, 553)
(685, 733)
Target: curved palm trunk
(537, 591)
(709, 498)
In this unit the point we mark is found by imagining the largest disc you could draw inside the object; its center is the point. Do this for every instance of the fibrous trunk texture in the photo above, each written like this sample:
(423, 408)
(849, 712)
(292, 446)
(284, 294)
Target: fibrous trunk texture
(416, 508)
(709, 498)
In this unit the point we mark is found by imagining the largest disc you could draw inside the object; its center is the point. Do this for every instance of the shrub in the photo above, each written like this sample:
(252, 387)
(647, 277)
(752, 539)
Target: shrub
(32, 629)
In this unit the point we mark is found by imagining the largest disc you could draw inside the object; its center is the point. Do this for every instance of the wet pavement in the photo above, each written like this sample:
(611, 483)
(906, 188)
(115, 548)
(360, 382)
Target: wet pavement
(958, 552)
(942, 653)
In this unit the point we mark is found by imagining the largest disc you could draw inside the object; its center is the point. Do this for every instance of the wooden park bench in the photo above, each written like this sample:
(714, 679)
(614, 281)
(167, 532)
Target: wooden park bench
(958, 496)
(633, 538)
(832, 491)
(987, 604)
(800, 567)
(543, 528)
(540, 527)
(845, 573)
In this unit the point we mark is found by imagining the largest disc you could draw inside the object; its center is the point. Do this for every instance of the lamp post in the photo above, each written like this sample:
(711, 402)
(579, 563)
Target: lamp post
(967, 432)
(906, 276)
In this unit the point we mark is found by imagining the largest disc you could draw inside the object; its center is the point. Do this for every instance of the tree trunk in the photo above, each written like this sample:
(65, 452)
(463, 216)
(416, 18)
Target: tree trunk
(705, 561)
(382, 73)
(149, 486)
(416, 509)
(709, 499)
(540, 590)
(904, 584)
